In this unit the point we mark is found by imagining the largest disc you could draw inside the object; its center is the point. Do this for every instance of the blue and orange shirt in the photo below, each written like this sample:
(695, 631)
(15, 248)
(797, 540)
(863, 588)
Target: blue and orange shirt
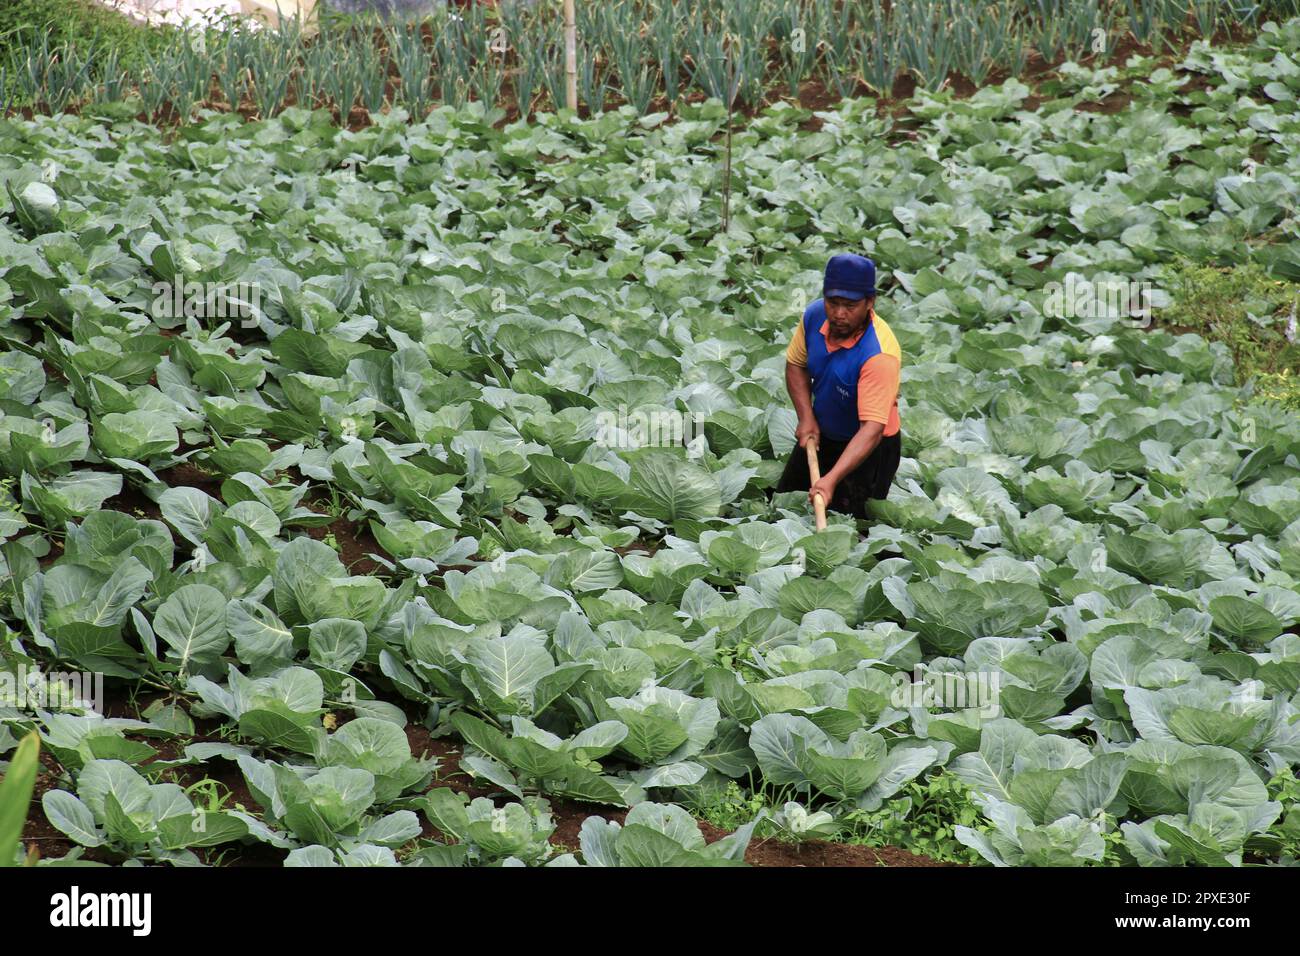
(852, 382)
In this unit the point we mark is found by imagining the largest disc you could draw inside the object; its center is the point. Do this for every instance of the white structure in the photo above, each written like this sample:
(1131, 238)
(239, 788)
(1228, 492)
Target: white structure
(199, 12)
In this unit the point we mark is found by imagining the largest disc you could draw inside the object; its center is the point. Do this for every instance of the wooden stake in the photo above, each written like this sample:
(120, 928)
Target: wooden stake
(570, 56)
(815, 475)
(726, 178)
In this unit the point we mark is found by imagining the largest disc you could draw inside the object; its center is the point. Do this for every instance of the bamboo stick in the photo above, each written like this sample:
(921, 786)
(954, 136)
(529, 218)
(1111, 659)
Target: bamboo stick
(570, 56)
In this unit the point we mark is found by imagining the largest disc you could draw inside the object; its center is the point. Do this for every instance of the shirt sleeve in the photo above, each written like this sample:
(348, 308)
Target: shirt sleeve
(878, 388)
(796, 353)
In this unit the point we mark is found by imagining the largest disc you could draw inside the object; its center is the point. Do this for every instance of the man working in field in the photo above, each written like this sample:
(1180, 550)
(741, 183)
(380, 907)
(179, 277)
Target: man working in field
(841, 369)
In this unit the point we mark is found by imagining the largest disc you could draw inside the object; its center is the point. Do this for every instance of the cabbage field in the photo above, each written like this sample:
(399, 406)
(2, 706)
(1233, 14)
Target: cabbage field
(409, 488)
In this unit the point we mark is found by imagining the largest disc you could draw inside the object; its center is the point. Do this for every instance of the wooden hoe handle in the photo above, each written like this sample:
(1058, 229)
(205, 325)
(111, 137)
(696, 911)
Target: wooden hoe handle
(815, 475)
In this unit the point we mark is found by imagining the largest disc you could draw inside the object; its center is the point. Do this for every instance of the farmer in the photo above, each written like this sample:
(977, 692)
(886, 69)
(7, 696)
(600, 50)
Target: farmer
(841, 369)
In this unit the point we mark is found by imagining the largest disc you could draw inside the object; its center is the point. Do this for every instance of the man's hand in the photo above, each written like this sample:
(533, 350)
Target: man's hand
(825, 486)
(805, 430)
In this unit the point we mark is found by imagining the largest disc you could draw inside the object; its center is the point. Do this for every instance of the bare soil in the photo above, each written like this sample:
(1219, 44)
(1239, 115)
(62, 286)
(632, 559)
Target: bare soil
(134, 502)
(353, 541)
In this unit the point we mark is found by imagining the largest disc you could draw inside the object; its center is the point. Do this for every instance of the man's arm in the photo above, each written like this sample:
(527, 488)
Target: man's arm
(877, 392)
(860, 446)
(855, 453)
(799, 384)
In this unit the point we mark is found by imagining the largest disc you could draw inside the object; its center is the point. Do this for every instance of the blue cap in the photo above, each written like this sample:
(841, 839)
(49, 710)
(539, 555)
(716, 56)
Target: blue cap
(849, 276)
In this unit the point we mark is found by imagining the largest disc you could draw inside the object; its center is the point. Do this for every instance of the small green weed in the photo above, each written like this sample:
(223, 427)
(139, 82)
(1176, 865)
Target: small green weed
(921, 820)
(1285, 789)
(210, 795)
(1250, 312)
(731, 807)
(1278, 388)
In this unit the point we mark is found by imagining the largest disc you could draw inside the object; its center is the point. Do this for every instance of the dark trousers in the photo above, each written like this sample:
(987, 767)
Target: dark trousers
(871, 479)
